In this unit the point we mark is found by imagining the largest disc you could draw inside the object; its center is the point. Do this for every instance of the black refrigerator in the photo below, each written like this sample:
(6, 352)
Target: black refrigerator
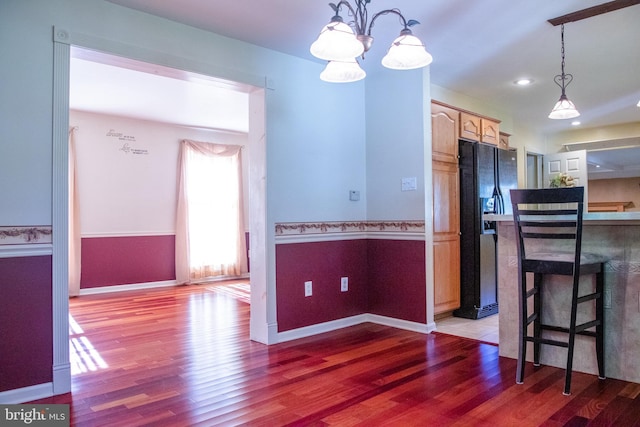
(486, 176)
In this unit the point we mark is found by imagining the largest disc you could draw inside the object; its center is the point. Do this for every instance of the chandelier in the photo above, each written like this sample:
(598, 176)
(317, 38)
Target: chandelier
(340, 44)
(564, 108)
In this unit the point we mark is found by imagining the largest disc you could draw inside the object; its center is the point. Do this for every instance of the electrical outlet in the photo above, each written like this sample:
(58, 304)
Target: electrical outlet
(607, 298)
(344, 284)
(308, 288)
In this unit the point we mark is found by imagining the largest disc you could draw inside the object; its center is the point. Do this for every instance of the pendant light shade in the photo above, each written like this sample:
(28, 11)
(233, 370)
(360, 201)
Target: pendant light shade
(564, 109)
(342, 72)
(407, 52)
(336, 42)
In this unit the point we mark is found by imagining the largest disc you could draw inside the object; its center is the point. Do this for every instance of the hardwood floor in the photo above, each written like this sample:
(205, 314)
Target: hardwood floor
(182, 357)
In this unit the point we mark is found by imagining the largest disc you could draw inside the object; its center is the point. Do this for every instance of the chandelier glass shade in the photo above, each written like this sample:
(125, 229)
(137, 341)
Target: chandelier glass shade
(341, 43)
(407, 52)
(337, 42)
(564, 108)
(343, 72)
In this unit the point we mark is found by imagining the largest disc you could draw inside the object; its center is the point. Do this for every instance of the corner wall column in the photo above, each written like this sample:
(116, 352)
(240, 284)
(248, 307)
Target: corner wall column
(60, 211)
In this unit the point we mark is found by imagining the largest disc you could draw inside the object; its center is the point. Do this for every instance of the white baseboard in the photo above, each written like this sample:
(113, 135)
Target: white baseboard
(272, 333)
(26, 394)
(401, 324)
(150, 285)
(62, 378)
(333, 325)
(320, 328)
(129, 287)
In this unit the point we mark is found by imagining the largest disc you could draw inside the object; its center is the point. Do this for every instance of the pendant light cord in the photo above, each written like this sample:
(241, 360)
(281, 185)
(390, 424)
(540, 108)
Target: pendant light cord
(562, 48)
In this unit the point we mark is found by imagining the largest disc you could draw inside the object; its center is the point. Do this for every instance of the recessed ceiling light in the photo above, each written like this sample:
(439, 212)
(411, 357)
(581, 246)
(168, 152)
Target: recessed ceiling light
(523, 82)
(575, 123)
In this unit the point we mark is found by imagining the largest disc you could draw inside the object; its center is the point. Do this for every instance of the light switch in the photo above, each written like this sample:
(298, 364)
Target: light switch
(409, 184)
(354, 195)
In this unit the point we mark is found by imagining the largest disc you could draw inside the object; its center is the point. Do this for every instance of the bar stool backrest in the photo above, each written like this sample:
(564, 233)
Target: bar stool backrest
(549, 225)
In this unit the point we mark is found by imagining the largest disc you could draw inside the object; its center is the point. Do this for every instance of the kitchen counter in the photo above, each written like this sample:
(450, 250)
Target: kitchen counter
(613, 234)
(588, 218)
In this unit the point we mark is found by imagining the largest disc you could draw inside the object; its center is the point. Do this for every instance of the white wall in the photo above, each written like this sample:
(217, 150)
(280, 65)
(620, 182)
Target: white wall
(627, 130)
(317, 150)
(127, 172)
(396, 102)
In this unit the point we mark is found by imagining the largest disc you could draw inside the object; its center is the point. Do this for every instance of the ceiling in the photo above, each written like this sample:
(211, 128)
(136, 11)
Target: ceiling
(479, 48)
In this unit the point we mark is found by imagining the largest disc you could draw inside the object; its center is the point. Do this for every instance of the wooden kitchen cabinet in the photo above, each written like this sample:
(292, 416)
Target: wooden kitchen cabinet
(481, 129)
(445, 125)
(448, 125)
(446, 237)
(470, 126)
(503, 143)
(490, 131)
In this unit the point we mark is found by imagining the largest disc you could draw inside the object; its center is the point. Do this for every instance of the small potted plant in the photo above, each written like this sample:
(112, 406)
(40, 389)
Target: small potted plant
(562, 180)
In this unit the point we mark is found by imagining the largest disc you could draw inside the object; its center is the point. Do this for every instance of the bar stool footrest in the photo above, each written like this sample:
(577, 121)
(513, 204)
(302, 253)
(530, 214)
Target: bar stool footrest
(589, 297)
(532, 318)
(547, 341)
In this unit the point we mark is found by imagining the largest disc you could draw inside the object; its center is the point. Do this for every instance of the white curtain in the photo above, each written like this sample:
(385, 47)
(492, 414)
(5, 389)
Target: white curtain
(74, 220)
(210, 237)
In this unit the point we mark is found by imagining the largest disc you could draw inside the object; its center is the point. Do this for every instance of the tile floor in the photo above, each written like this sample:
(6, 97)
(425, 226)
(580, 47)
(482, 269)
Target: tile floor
(485, 329)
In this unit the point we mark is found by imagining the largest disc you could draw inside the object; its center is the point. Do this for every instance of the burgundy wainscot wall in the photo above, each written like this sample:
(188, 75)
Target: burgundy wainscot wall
(26, 324)
(386, 277)
(108, 261)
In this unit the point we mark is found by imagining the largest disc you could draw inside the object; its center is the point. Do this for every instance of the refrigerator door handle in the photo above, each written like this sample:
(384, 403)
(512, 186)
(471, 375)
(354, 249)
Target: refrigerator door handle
(500, 204)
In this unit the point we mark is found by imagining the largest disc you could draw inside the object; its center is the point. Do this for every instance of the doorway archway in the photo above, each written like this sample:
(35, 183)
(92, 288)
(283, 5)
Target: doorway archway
(261, 304)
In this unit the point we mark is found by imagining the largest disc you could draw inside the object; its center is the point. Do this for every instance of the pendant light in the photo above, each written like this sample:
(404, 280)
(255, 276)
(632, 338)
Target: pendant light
(564, 108)
(341, 43)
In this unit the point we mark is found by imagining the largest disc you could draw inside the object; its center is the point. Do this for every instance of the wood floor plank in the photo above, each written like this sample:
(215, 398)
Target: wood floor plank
(182, 357)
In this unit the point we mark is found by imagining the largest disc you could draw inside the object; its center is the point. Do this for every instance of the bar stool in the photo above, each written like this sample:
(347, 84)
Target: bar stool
(548, 224)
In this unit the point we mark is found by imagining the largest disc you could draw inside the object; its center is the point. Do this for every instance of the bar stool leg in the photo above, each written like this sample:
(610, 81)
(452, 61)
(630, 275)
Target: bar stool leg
(572, 336)
(522, 347)
(537, 309)
(600, 326)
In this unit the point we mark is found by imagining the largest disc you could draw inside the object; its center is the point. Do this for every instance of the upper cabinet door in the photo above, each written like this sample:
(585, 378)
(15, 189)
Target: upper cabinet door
(470, 127)
(444, 128)
(504, 141)
(490, 132)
